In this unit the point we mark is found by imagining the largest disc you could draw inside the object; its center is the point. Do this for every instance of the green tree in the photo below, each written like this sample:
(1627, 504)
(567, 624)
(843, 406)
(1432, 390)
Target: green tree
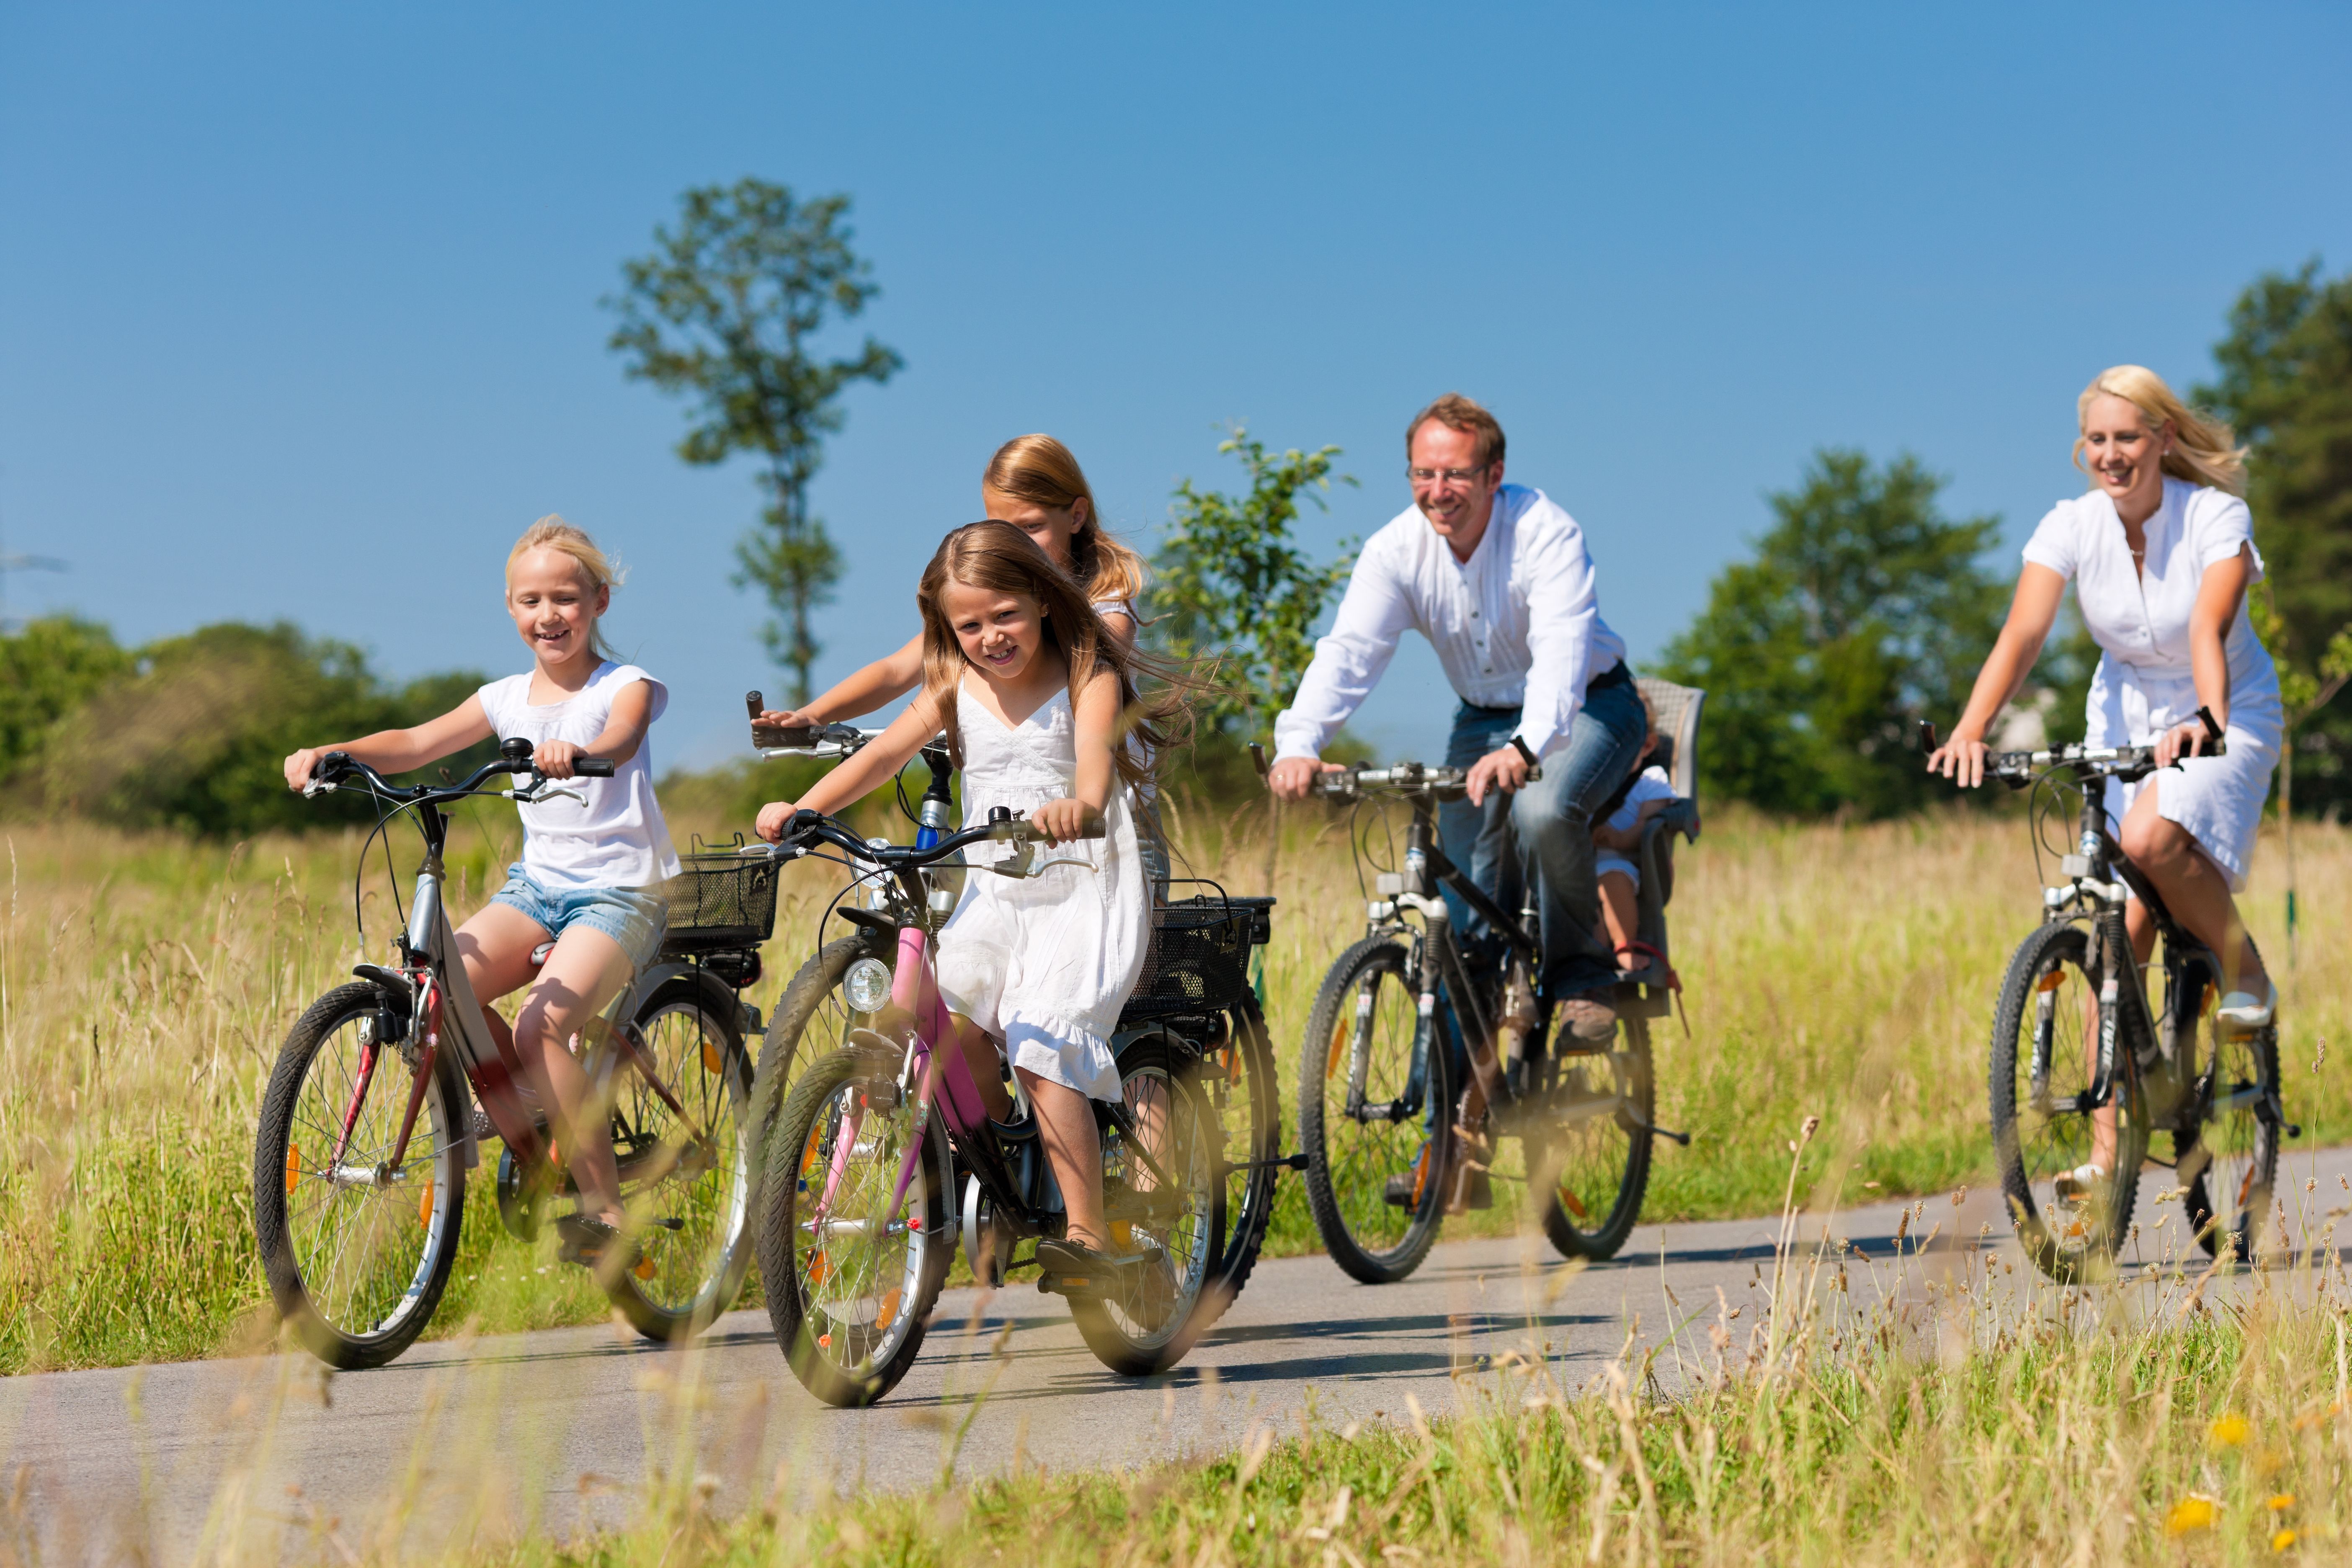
(1232, 588)
(193, 737)
(1864, 611)
(47, 669)
(743, 285)
(2286, 386)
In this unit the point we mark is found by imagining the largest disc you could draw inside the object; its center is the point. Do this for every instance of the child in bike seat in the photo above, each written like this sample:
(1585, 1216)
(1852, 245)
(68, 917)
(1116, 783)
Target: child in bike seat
(1037, 697)
(590, 868)
(1615, 841)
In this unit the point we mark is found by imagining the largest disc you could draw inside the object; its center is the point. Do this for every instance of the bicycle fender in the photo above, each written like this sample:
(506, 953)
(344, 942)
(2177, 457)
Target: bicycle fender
(716, 994)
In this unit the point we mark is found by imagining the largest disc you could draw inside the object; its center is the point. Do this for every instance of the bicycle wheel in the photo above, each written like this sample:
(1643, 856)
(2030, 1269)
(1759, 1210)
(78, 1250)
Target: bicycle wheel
(1377, 1152)
(811, 1019)
(2241, 1135)
(683, 1139)
(2044, 1055)
(357, 1251)
(851, 1275)
(1148, 1325)
(1588, 1144)
(1239, 1078)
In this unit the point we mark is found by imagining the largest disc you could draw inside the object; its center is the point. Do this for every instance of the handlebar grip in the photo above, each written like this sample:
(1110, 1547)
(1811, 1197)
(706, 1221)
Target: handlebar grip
(783, 737)
(594, 767)
(756, 703)
(1927, 737)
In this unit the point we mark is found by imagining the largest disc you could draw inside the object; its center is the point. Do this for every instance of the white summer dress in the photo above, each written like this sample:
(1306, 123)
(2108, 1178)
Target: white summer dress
(1046, 963)
(2144, 684)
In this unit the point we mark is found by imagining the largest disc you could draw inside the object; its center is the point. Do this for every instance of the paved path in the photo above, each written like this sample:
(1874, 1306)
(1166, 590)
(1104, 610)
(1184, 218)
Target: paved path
(561, 1428)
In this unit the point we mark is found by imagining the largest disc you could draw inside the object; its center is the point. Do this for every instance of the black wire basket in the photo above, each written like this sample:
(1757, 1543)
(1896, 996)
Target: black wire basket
(1200, 956)
(721, 901)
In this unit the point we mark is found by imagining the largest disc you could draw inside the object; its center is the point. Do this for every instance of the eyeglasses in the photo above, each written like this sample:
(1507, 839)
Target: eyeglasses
(1454, 476)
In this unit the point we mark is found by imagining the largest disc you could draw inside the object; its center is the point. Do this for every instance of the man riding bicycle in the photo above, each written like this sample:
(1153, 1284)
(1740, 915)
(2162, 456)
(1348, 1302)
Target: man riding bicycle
(1497, 578)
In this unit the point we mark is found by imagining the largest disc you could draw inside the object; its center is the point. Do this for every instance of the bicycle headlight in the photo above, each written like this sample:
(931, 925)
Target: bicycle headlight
(866, 986)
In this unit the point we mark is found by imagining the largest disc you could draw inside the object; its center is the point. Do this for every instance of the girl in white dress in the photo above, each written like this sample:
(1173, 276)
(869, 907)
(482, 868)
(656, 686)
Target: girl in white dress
(1034, 692)
(2161, 554)
(1035, 483)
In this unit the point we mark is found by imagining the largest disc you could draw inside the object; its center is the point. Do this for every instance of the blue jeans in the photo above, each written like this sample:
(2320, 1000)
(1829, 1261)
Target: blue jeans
(1543, 836)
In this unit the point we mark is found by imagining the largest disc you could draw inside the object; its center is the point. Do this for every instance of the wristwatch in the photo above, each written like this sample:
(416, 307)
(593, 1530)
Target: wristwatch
(1521, 747)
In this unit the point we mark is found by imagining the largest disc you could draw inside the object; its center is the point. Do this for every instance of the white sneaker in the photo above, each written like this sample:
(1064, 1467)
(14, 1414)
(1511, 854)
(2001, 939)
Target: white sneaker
(2243, 1012)
(2080, 1183)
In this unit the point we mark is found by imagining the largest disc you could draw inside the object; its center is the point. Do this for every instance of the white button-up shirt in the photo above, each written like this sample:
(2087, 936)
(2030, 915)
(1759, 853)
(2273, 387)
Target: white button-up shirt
(1517, 624)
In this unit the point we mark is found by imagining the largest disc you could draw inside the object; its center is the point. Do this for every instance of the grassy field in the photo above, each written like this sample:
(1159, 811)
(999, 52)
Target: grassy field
(146, 983)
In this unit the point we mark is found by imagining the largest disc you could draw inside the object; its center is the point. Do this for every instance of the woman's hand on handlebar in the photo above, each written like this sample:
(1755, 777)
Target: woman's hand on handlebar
(2181, 740)
(1062, 821)
(774, 817)
(558, 758)
(1960, 759)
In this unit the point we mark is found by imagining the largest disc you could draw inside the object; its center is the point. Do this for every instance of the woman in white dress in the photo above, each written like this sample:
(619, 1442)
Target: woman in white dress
(2161, 553)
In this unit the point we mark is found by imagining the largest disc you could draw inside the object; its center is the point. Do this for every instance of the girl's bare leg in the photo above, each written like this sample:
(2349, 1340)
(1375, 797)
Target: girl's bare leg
(1619, 915)
(987, 1065)
(583, 973)
(496, 946)
(1065, 1122)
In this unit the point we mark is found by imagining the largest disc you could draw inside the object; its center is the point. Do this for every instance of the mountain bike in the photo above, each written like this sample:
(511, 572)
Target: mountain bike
(857, 1214)
(2079, 1046)
(1403, 1024)
(367, 1127)
(1197, 996)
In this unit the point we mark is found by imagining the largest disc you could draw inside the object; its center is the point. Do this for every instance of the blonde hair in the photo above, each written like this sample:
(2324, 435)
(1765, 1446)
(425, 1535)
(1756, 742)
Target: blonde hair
(1041, 471)
(995, 555)
(2202, 450)
(552, 532)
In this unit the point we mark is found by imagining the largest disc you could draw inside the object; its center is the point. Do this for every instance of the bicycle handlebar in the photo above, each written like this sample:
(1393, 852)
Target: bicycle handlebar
(1406, 778)
(2019, 767)
(813, 824)
(337, 767)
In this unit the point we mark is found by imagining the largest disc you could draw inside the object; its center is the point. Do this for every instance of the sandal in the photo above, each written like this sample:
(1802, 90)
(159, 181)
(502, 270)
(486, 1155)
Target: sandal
(590, 1243)
(2081, 1183)
(1073, 1269)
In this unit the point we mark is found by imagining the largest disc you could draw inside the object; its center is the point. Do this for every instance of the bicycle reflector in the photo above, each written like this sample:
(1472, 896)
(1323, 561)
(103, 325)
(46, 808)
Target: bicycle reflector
(866, 986)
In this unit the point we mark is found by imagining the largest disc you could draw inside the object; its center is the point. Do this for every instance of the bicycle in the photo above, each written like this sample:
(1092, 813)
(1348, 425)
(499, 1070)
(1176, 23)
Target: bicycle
(1401, 1021)
(368, 1128)
(2075, 1034)
(1198, 993)
(856, 1218)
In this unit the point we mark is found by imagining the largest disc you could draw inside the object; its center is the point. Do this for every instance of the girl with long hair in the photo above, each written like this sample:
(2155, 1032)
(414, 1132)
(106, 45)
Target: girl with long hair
(1037, 697)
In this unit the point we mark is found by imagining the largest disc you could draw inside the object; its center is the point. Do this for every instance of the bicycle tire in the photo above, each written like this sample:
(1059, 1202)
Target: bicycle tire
(2033, 1147)
(356, 1315)
(689, 1267)
(2245, 1151)
(1133, 1334)
(1571, 1169)
(848, 1359)
(1250, 1187)
(813, 987)
(1360, 1190)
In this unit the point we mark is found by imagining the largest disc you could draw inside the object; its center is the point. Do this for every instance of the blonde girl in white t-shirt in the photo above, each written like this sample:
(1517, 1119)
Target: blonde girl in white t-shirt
(588, 869)
(2161, 553)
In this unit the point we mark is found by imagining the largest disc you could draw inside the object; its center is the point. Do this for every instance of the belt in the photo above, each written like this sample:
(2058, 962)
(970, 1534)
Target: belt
(1615, 675)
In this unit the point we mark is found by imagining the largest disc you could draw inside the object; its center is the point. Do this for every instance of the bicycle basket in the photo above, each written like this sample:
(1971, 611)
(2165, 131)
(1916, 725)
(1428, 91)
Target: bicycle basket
(719, 902)
(1199, 961)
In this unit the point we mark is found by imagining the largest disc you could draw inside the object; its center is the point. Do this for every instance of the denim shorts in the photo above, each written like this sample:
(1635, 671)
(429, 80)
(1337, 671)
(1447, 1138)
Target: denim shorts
(633, 919)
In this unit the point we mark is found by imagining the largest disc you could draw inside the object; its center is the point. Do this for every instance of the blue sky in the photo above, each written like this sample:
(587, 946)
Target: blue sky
(298, 306)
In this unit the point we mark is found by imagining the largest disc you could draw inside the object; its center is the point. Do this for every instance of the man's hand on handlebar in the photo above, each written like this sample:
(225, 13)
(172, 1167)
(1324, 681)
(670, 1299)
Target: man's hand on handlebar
(301, 765)
(1503, 768)
(1293, 777)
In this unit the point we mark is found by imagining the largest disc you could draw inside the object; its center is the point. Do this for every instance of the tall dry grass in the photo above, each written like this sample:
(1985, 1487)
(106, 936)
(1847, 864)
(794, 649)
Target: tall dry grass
(146, 983)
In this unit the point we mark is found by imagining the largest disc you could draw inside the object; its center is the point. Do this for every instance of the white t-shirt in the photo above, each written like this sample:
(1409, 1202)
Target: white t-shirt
(1650, 784)
(618, 839)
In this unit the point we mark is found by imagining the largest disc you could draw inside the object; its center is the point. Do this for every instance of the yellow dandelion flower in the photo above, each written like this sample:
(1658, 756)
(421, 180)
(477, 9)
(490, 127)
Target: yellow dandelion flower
(2230, 1432)
(2192, 1513)
(2282, 1501)
(2282, 1541)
